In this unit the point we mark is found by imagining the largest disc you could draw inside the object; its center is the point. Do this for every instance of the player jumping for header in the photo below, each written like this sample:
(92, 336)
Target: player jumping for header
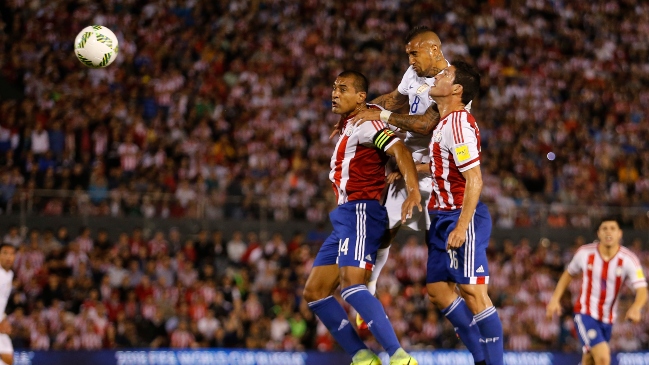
(360, 225)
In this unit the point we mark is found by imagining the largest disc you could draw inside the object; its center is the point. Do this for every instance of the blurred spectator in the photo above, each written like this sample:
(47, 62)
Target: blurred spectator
(13, 237)
(236, 247)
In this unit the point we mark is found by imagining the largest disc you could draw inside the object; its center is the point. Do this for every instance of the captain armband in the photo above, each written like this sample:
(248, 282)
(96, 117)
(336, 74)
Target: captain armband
(383, 138)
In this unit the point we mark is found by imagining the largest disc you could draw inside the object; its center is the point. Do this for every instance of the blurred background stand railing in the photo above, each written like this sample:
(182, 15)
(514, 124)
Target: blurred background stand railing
(119, 210)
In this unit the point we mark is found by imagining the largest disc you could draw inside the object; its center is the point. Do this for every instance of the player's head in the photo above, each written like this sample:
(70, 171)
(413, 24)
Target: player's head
(459, 79)
(349, 92)
(424, 51)
(609, 232)
(7, 256)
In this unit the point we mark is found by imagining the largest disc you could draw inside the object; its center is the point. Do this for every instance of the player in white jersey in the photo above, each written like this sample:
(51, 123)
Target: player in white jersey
(425, 57)
(7, 258)
(604, 265)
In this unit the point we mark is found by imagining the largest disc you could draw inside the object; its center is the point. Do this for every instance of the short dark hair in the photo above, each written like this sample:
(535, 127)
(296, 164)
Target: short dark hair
(360, 81)
(469, 77)
(420, 29)
(4, 244)
(609, 218)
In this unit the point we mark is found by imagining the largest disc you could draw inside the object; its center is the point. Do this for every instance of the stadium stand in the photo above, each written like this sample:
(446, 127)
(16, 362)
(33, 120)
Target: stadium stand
(220, 109)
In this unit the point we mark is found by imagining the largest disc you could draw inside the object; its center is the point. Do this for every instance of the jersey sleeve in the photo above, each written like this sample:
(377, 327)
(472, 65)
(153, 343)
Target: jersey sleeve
(575, 267)
(463, 141)
(376, 134)
(634, 273)
(405, 81)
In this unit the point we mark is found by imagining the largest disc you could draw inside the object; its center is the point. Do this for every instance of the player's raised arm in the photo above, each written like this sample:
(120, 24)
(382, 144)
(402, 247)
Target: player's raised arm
(422, 124)
(406, 165)
(554, 305)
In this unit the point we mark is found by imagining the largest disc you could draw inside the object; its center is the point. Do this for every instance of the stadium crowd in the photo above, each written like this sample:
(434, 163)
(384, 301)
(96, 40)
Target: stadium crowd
(222, 108)
(233, 289)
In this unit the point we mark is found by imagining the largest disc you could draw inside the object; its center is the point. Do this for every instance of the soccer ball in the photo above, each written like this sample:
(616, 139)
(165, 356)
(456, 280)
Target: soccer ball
(96, 46)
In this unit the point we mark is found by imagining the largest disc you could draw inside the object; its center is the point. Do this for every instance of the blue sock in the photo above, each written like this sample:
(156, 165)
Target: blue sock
(374, 315)
(462, 319)
(334, 317)
(492, 335)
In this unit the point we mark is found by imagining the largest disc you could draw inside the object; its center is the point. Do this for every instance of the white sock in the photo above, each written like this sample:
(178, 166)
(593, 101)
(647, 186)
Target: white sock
(381, 259)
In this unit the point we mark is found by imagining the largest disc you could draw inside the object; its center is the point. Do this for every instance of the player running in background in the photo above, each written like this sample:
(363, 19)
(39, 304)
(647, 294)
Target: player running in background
(348, 255)
(604, 265)
(7, 258)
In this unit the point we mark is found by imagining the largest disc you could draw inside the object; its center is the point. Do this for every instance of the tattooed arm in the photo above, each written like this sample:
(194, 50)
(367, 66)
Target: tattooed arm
(391, 101)
(422, 124)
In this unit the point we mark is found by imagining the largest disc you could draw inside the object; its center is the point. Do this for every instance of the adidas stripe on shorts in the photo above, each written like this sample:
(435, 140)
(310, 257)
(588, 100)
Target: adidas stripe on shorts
(359, 227)
(467, 264)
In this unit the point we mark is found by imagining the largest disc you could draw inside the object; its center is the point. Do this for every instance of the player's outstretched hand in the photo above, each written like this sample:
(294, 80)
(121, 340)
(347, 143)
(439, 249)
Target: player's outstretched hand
(366, 115)
(553, 308)
(393, 176)
(456, 238)
(413, 200)
(633, 314)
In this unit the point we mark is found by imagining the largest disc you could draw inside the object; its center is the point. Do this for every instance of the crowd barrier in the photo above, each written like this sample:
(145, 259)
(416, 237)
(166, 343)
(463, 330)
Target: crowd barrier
(245, 357)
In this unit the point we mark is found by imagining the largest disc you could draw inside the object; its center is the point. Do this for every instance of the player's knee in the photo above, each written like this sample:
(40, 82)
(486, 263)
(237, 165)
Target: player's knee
(476, 297)
(601, 359)
(440, 297)
(312, 294)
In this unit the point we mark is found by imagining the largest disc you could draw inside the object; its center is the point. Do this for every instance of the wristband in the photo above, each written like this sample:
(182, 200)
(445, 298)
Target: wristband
(385, 115)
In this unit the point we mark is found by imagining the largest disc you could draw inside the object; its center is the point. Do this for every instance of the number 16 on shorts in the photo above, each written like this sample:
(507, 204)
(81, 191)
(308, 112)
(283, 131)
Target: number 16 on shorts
(452, 254)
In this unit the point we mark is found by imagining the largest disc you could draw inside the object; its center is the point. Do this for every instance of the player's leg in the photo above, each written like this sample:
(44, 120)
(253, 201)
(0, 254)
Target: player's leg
(365, 223)
(321, 283)
(593, 336)
(601, 354)
(587, 359)
(6, 350)
(394, 198)
(441, 291)
(473, 276)
(381, 258)
(396, 195)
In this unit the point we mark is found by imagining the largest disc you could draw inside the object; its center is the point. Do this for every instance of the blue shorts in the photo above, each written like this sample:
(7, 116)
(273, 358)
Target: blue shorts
(591, 331)
(467, 264)
(359, 228)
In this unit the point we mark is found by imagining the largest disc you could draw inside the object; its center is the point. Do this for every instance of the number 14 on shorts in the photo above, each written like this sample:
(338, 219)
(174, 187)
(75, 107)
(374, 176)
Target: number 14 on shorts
(452, 254)
(343, 246)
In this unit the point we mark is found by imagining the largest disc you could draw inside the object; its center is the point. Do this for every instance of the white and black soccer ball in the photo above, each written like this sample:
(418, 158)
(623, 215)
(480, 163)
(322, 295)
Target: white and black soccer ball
(96, 46)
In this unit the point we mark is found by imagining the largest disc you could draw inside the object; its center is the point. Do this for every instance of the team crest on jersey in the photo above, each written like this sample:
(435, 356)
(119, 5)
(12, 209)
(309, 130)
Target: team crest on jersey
(349, 130)
(437, 137)
(422, 88)
(618, 271)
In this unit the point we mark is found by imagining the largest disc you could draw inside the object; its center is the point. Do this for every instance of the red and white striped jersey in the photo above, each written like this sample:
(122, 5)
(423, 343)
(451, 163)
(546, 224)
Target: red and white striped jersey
(358, 162)
(454, 148)
(602, 280)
